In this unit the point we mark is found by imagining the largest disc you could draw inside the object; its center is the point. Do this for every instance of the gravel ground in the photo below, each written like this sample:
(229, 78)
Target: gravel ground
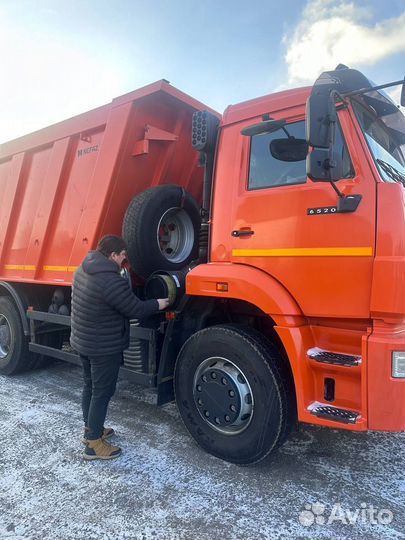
(321, 484)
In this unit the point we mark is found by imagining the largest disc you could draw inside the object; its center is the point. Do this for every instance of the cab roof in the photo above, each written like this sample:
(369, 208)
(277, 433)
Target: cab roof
(271, 103)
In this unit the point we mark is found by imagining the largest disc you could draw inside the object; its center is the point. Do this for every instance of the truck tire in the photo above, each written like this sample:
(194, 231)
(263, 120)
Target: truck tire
(234, 393)
(14, 355)
(161, 228)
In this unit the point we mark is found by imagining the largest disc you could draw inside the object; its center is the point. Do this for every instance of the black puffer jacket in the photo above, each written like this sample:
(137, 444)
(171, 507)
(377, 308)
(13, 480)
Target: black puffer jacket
(102, 304)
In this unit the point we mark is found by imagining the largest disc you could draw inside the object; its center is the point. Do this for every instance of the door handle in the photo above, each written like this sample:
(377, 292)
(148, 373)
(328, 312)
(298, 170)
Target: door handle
(242, 232)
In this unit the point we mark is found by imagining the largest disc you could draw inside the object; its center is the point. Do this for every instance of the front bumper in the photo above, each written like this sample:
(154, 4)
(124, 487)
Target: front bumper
(385, 394)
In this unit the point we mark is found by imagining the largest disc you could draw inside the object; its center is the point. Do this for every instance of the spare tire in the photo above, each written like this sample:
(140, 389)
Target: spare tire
(161, 228)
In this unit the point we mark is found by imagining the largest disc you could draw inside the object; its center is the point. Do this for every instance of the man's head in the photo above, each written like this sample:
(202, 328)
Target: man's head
(113, 247)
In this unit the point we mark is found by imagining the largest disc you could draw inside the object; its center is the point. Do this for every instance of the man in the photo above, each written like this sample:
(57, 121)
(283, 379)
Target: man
(102, 304)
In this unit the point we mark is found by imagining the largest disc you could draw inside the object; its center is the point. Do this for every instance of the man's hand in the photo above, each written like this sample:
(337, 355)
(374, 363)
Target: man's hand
(163, 303)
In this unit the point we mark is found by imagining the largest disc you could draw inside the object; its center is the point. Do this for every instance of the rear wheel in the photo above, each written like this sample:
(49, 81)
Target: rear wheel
(14, 356)
(234, 393)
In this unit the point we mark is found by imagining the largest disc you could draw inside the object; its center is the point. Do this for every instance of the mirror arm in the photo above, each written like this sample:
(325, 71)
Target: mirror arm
(366, 90)
(340, 97)
(346, 203)
(340, 194)
(286, 132)
(330, 163)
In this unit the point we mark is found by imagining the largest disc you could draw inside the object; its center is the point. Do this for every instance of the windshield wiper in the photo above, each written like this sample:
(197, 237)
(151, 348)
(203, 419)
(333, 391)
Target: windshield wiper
(391, 171)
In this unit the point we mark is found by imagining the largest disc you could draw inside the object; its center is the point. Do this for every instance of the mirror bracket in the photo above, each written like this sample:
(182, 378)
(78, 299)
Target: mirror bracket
(348, 203)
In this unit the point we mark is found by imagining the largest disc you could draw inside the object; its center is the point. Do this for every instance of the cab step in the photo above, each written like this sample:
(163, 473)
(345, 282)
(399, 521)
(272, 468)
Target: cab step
(335, 414)
(338, 359)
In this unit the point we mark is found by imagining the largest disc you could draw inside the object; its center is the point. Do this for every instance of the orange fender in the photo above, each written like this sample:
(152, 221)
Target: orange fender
(243, 282)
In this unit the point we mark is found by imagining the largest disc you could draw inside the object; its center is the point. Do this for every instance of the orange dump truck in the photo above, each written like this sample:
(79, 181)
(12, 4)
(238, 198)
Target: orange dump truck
(277, 232)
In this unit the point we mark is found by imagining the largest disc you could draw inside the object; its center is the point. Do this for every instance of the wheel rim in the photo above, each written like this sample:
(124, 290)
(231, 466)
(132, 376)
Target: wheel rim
(223, 396)
(175, 235)
(5, 336)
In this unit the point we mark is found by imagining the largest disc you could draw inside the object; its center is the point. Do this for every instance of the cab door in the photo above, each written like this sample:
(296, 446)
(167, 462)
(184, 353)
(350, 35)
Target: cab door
(289, 227)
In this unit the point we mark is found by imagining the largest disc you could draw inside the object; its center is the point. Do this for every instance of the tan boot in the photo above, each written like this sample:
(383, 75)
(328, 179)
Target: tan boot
(107, 433)
(100, 449)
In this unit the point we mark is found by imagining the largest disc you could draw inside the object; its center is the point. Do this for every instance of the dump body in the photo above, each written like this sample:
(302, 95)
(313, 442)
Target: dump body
(63, 187)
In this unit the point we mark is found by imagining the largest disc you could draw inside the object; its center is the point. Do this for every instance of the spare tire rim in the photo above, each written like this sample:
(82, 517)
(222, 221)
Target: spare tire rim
(223, 396)
(5, 336)
(175, 235)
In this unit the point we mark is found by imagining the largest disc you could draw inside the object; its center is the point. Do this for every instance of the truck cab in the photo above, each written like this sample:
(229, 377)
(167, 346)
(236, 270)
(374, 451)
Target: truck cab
(318, 250)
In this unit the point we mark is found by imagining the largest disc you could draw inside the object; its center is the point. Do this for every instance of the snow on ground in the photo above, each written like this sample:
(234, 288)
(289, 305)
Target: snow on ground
(165, 487)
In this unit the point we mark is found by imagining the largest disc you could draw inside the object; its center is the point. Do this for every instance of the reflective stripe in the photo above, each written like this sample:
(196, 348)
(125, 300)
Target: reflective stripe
(18, 267)
(305, 252)
(60, 268)
(46, 268)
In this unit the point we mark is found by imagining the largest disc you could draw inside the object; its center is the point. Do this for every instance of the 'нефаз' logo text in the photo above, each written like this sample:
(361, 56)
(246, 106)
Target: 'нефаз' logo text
(88, 150)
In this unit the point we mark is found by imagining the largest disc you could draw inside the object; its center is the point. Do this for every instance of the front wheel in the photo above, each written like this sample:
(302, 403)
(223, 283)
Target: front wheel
(234, 393)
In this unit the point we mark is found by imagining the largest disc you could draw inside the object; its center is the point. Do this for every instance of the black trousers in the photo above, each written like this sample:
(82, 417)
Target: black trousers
(100, 374)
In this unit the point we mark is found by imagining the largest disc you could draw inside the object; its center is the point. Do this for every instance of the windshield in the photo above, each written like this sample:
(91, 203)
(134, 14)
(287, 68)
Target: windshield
(383, 126)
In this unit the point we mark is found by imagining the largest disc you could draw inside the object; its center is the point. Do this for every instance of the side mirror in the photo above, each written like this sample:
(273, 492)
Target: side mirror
(320, 120)
(321, 168)
(290, 149)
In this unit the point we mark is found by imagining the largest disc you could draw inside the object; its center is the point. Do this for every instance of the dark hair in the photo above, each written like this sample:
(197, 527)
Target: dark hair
(111, 244)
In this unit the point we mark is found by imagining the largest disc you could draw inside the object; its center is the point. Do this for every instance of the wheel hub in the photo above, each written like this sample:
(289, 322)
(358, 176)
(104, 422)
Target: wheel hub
(175, 235)
(223, 396)
(5, 336)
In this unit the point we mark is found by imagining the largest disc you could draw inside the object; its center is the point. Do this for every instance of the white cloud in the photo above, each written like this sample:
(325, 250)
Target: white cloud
(336, 31)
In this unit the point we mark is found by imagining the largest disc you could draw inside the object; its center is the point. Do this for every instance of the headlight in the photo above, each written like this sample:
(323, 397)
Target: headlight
(398, 364)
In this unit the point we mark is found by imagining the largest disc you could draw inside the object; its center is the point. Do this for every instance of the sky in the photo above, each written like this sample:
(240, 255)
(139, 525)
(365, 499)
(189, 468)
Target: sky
(63, 57)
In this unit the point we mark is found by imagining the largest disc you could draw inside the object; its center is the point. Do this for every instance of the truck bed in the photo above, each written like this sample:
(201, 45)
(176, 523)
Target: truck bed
(63, 187)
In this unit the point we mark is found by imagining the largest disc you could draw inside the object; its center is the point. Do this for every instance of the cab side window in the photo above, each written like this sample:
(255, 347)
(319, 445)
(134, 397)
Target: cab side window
(278, 159)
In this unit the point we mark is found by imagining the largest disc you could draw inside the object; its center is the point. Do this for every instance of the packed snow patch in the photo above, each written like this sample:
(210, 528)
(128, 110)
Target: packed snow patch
(165, 487)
